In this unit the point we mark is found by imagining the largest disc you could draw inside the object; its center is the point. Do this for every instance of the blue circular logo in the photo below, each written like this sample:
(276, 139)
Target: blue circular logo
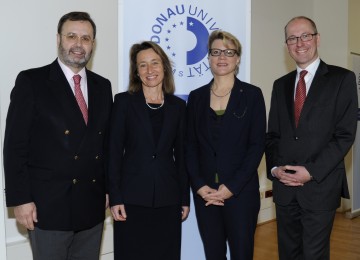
(183, 31)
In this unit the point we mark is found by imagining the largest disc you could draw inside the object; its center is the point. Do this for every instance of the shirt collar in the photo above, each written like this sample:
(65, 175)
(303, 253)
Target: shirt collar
(69, 73)
(311, 68)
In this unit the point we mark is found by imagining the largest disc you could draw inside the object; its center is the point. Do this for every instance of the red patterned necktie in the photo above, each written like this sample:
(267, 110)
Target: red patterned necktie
(300, 96)
(80, 98)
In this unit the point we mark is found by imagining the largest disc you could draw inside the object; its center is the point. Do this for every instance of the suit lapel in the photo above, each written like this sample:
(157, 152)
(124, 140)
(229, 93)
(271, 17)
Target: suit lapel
(315, 90)
(236, 108)
(140, 108)
(234, 100)
(289, 97)
(63, 94)
(204, 114)
(93, 91)
(168, 121)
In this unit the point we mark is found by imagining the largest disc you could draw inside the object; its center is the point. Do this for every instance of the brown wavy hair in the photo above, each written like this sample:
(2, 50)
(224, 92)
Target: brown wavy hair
(135, 84)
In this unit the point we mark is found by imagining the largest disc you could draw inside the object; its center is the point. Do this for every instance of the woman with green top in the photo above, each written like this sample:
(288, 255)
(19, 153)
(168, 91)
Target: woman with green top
(226, 123)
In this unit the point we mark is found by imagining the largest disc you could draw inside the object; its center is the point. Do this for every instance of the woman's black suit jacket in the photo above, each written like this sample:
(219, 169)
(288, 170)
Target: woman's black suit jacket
(241, 142)
(141, 172)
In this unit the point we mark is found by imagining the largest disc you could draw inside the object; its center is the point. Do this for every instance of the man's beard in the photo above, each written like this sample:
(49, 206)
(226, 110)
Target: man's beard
(71, 62)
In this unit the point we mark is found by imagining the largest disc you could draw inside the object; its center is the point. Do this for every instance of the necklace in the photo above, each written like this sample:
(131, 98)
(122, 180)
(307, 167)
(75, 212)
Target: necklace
(154, 108)
(216, 95)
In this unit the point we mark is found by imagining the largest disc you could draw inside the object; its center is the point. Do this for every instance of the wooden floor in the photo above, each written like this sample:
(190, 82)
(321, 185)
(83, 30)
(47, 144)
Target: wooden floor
(345, 240)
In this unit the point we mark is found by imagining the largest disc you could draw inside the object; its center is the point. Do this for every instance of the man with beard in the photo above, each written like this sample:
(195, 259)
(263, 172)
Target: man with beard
(54, 148)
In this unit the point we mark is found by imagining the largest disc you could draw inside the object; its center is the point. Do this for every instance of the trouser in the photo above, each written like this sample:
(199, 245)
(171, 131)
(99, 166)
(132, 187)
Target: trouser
(303, 234)
(66, 245)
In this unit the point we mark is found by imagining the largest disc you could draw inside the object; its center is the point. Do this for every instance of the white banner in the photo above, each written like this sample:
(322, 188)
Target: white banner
(355, 184)
(182, 28)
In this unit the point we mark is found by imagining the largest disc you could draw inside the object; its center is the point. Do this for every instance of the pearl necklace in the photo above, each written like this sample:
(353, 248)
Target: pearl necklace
(154, 108)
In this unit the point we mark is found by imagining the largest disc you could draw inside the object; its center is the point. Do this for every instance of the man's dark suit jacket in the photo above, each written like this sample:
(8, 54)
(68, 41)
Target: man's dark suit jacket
(325, 133)
(241, 142)
(51, 157)
(142, 172)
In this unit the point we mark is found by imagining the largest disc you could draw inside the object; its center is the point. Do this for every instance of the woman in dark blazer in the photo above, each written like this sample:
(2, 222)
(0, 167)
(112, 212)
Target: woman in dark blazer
(148, 185)
(225, 143)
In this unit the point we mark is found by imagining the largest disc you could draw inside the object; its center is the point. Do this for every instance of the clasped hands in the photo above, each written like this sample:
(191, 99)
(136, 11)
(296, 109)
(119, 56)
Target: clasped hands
(213, 196)
(298, 178)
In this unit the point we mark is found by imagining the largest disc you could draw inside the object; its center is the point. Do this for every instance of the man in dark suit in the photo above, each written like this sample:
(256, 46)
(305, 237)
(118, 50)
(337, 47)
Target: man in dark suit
(54, 157)
(307, 141)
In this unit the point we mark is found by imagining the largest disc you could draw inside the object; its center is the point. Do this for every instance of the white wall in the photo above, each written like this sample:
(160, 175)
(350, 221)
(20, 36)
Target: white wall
(354, 47)
(28, 39)
(334, 49)
(354, 21)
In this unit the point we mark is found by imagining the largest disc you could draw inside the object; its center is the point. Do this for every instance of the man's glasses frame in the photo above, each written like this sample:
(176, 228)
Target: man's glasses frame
(73, 38)
(305, 37)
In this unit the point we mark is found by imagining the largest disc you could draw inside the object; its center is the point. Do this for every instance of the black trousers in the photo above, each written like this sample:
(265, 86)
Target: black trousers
(148, 233)
(234, 223)
(303, 234)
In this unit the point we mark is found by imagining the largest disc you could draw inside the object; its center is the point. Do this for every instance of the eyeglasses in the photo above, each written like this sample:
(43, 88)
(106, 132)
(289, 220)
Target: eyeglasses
(227, 52)
(304, 38)
(73, 38)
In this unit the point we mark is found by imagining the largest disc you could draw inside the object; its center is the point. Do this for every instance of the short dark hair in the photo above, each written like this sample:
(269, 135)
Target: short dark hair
(135, 83)
(76, 16)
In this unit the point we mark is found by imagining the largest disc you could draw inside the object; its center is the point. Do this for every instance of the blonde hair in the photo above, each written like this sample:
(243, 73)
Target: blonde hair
(226, 37)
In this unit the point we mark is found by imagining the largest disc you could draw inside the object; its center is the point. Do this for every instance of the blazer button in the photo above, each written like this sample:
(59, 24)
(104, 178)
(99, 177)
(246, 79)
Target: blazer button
(94, 180)
(76, 157)
(154, 156)
(74, 181)
(296, 138)
(100, 133)
(67, 132)
(97, 157)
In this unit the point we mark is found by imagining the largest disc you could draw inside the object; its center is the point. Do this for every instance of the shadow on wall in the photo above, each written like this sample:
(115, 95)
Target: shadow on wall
(288, 61)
